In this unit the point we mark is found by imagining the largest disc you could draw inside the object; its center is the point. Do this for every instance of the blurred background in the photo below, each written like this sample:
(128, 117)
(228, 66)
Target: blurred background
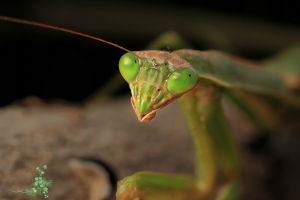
(52, 64)
(64, 71)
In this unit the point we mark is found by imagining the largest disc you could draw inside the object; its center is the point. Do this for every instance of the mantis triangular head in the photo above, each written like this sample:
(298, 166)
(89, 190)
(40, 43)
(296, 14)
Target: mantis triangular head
(154, 81)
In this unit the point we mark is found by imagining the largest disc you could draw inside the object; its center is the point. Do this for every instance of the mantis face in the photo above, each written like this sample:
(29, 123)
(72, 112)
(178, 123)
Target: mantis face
(154, 83)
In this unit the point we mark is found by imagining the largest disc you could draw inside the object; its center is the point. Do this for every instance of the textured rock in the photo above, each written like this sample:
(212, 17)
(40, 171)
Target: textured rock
(34, 133)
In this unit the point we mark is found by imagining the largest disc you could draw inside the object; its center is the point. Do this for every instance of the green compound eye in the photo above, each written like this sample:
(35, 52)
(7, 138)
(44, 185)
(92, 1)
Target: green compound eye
(182, 80)
(129, 66)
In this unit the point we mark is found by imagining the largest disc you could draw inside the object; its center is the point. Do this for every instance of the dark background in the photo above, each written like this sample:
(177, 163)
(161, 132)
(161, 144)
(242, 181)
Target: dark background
(56, 65)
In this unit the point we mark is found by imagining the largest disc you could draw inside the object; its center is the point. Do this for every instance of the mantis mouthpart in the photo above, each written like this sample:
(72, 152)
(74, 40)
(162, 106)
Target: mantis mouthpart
(198, 80)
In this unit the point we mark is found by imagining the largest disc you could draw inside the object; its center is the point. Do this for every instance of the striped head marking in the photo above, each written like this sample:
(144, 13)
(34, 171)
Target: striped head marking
(153, 82)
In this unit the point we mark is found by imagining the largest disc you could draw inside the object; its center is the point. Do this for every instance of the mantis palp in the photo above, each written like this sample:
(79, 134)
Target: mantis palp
(199, 80)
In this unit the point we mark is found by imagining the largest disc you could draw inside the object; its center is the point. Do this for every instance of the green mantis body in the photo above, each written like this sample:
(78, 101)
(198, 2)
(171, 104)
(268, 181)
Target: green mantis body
(216, 153)
(199, 80)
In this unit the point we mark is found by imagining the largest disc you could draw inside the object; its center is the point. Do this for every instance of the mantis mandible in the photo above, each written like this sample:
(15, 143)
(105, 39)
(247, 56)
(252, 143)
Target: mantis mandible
(198, 80)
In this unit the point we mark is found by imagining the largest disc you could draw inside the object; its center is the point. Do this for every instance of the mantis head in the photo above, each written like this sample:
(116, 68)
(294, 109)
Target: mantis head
(154, 83)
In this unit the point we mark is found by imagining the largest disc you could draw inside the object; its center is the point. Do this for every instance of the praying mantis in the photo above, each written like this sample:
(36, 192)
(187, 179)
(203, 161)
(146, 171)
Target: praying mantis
(198, 80)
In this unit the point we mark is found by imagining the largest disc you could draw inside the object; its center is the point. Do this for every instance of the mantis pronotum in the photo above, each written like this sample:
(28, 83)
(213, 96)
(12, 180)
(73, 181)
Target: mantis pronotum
(198, 79)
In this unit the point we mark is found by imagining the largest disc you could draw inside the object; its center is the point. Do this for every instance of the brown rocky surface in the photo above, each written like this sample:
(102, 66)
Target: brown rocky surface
(33, 133)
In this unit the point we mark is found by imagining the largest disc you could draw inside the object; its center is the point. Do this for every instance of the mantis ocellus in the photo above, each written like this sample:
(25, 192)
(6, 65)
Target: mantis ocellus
(198, 80)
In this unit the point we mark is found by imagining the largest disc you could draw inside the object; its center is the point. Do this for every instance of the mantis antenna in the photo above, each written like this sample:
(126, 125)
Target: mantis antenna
(33, 23)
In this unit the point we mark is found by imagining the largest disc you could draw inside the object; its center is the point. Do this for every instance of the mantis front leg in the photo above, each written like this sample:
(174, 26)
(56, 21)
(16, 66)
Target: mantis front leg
(214, 145)
(216, 155)
(157, 186)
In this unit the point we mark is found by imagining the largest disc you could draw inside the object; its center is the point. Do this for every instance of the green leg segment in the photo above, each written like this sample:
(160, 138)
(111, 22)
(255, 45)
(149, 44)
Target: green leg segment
(156, 186)
(231, 191)
(206, 169)
(217, 163)
(206, 120)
